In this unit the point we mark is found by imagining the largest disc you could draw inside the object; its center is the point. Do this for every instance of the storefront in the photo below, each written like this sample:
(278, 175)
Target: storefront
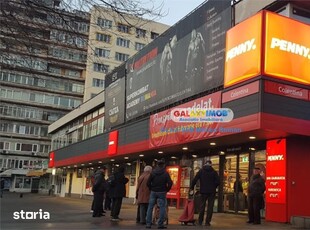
(261, 118)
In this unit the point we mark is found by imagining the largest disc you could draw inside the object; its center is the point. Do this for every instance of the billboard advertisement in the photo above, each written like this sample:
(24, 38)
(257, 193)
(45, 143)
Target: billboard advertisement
(287, 49)
(114, 98)
(184, 61)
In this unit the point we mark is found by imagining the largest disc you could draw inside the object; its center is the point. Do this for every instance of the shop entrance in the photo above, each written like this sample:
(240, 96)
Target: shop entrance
(235, 182)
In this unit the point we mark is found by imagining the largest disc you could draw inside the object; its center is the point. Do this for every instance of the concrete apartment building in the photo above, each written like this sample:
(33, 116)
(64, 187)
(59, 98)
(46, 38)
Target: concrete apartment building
(43, 52)
(43, 72)
(113, 39)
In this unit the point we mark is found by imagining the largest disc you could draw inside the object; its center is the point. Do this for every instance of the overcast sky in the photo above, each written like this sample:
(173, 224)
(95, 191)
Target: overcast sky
(177, 9)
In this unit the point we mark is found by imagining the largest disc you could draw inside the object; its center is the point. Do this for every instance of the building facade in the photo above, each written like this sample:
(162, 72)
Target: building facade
(252, 86)
(42, 74)
(113, 39)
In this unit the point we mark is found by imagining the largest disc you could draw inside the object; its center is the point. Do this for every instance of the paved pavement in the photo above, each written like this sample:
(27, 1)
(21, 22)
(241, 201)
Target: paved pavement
(73, 213)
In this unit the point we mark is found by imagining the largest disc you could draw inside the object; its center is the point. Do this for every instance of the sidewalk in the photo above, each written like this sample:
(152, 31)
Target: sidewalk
(73, 213)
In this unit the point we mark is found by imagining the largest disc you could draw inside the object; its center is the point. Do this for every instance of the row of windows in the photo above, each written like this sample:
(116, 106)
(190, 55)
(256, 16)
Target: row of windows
(23, 129)
(26, 62)
(119, 41)
(29, 113)
(46, 83)
(68, 55)
(93, 124)
(98, 83)
(39, 98)
(67, 38)
(25, 147)
(9, 163)
(66, 23)
(65, 72)
(102, 53)
(101, 68)
(107, 24)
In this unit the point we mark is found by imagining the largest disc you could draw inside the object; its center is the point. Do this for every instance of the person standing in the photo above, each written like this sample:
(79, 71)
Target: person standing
(159, 183)
(256, 191)
(143, 193)
(98, 190)
(238, 192)
(209, 181)
(117, 192)
(2, 187)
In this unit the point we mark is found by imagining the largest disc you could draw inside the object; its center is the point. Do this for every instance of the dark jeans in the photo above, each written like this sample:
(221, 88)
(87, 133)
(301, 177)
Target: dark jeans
(107, 202)
(98, 203)
(255, 204)
(160, 197)
(143, 211)
(116, 207)
(210, 197)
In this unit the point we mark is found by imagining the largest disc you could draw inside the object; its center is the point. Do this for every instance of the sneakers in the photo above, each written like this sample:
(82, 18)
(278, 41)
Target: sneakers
(115, 219)
(207, 224)
(162, 227)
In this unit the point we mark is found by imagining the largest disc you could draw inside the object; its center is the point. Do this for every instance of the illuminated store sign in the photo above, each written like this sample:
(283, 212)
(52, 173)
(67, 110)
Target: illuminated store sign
(276, 171)
(286, 54)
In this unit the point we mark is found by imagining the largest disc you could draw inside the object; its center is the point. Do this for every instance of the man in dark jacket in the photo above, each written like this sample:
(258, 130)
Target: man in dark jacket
(98, 189)
(209, 180)
(117, 192)
(256, 199)
(159, 183)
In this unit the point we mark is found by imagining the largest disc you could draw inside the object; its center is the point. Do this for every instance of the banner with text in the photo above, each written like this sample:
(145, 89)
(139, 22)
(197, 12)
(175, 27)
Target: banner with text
(164, 131)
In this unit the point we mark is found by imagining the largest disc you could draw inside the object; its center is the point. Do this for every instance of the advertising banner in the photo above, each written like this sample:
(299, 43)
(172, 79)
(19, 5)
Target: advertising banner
(186, 60)
(287, 49)
(114, 98)
(286, 90)
(164, 131)
(276, 171)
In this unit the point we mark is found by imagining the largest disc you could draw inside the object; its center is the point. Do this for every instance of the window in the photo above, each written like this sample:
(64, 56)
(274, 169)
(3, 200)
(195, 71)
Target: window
(101, 68)
(98, 83)
(154, 35)
(123, 28)
(34, 148)
(121, 56)
(140, 33)
(102, 53)
(104, 23)
(103, 37)
(139, 46)
(18, 147)
(122, 42)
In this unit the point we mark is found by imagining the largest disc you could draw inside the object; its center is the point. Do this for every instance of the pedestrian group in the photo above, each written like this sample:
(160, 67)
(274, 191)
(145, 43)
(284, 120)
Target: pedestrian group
(153, 186)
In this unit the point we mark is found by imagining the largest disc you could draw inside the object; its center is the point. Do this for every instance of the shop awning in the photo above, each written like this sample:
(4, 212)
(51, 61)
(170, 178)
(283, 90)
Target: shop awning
(39, 172)
(6, 173)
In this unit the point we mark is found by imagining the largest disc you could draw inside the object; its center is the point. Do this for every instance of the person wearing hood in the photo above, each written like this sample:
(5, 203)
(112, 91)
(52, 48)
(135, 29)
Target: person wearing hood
(98, 189)
(143, 193)
(117, 192)
(256, 200)
(159, 183)
(209, 181)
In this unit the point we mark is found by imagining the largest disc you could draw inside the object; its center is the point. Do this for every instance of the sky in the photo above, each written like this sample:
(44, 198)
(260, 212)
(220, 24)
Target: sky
(176, 9)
